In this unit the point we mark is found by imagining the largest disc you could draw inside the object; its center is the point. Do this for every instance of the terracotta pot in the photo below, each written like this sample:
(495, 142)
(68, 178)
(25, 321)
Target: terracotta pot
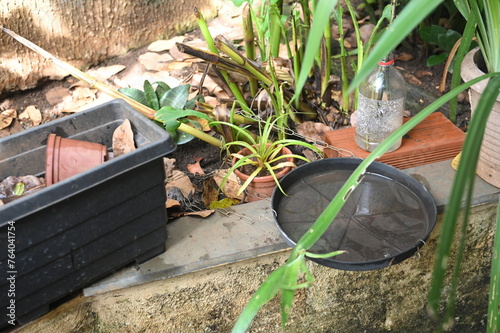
(261, 187)
(488, 167)
(67, 157)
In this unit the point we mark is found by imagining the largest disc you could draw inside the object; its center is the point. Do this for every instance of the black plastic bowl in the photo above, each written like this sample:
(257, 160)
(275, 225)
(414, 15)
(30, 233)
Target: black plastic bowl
(385, 220)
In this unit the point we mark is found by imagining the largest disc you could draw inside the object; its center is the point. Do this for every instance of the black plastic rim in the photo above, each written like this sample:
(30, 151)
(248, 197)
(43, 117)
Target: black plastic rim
(346, 165)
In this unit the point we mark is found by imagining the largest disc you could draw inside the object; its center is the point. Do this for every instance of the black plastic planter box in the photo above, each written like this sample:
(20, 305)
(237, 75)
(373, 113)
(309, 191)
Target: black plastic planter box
(60, 239)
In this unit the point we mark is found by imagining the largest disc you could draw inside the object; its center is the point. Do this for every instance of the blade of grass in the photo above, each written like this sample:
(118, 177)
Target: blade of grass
(235, 89)
(464, 180)
(321, 18)
(494, 302)
(465, 43)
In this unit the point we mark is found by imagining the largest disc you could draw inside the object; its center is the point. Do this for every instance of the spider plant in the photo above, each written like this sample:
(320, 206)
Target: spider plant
(260, 152)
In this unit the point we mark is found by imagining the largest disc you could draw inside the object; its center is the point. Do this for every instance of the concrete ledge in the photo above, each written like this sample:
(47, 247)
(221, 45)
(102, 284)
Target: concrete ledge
(247, 231)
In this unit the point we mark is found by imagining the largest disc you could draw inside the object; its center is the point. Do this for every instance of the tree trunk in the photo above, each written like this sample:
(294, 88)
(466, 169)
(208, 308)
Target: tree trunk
(85, 32)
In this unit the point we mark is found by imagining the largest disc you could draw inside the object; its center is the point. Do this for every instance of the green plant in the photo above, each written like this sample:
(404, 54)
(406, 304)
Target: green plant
(172, 106)
(444, 39)
(264, 155)
(362, 50)
(483, 22)
(486, 15)
(414, 12)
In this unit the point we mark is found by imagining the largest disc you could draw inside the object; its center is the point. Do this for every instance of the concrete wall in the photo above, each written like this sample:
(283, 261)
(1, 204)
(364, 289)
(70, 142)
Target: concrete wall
(387, 300)
(85, 32)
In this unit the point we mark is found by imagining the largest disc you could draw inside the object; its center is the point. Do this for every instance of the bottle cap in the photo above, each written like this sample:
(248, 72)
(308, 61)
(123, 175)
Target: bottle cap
(386, 62)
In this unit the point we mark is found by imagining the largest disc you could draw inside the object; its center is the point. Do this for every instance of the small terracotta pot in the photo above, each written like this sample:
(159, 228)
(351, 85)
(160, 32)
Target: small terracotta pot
(262, 187)
(67, 157)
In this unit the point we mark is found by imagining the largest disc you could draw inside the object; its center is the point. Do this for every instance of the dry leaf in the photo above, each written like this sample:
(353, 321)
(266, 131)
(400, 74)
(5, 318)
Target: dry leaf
(310, 155)
(195, 167)
(202, 213)
(169, 166)
(312, 131)
(80, 97)
(404, 57)
(412, 79)
(180, 180)
(165, 45)
(421, 74)
(232, 185)
(210, 192)
(123, 139)
(213, 101)
(104, 73)
(171, 203)
(31, 113)
(154, 61)
(84, 93)
(366, 31)
(208, 83)
(6, 117)
(350, 42)
(56, 95)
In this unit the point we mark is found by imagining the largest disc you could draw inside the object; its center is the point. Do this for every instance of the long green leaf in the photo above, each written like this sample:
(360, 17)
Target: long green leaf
(176, 97)
(168, 114)
(135, 94)
(151, 97)
(411, 15)
(290, 277)
(464, 180)
(494, 303)
(492, 13)
(322, 14)
(464, 47)
(266, 292)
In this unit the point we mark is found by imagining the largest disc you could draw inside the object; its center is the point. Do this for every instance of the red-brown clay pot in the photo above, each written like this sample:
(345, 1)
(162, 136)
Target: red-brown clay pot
(68, 157)
(262, 187)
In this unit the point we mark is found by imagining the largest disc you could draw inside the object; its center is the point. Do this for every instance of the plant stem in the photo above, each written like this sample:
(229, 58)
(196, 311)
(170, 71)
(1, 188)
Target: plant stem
(326, 56)
(235, 89)
(275, 16)
(242, 61)
(249, 38)
(338, 14)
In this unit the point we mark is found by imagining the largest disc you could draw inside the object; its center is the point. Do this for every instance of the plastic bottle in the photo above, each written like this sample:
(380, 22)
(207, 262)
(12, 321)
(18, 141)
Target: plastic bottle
(380, 106)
